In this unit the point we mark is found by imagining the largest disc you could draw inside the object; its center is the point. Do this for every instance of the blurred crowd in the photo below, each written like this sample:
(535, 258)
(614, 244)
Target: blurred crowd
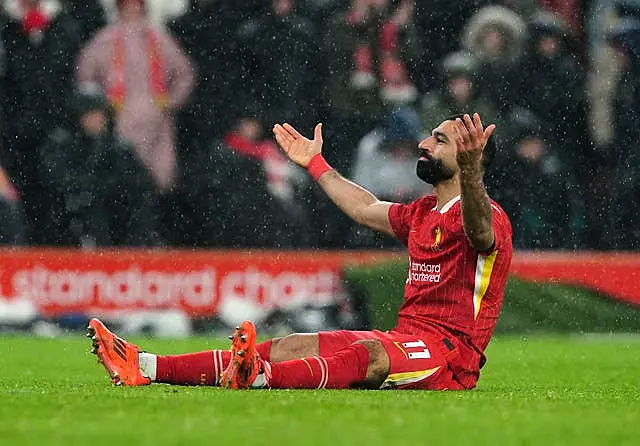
(148, 122)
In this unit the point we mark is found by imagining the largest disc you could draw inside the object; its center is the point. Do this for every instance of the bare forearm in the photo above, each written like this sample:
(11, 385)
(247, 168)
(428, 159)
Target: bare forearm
(355, 201)
(351, 198)
(476, 209)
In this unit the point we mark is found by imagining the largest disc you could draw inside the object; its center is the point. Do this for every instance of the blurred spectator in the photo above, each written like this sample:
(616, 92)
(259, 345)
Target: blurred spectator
(524, 8)
(285, 181)
(371, 52)
(40, 42)
(247, 138)
(207, 35)
(90, 16)
(496, 37)
(458, 92)
(102, 194)
(544, 205)
(3, 73)
(605, 18)
(147, 78)
(386, 166)
(609, 21)
(387, 157)
(440, 24)
(280, 65)
(159, 11)
(12, 230)
(554, 87)
(623, 229)
(371, 61)
(237, 192)
(569, 10)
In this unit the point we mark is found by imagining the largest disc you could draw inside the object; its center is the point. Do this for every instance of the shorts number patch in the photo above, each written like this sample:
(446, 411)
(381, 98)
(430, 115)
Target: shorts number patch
(422, 353)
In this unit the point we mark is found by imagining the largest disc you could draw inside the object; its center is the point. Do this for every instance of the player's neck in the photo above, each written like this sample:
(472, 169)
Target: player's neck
(446, 191)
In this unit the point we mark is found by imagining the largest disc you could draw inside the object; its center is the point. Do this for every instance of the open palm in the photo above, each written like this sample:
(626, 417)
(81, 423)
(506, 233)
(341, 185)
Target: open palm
(471, 139)
(296, 146)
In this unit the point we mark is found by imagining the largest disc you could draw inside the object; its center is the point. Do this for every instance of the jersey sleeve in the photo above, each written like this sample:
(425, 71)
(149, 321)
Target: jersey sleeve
(501, 228)
(399, 218)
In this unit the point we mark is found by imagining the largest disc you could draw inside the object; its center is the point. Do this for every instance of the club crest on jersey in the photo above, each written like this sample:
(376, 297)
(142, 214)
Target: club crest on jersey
(437, 239)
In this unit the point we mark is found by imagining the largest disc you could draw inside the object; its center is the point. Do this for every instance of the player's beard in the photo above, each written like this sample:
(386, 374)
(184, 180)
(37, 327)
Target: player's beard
(432, 170)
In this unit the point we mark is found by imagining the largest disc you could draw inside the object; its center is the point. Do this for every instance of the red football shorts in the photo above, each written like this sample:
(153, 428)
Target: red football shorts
(416, 362)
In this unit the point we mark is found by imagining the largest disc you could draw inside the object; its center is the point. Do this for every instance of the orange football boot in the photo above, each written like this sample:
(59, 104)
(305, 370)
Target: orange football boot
(245, 362)
(119, 357)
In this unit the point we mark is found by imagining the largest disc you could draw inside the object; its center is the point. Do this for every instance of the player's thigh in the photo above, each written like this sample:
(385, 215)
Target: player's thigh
(417, 362)
(294, 346)
(329, 342)
(324, 343)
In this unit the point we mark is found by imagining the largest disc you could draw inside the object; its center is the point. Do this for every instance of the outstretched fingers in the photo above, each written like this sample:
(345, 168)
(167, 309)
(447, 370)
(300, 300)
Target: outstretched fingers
(459, 130)
(477, 122)
(292, 131)
(472, 134)
(482, 132)
(284, 138)
(475, 128)
(463, 132)
(488, 131)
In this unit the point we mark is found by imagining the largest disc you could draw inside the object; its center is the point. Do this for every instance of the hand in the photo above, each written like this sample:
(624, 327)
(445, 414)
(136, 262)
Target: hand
(471, 138)
(298, 148)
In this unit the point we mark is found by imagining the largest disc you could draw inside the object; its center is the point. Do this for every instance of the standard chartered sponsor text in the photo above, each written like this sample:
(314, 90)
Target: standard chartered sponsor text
(422, 272)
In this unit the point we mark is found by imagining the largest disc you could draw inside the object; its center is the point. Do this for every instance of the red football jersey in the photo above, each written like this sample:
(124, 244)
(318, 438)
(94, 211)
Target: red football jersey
(452, 289)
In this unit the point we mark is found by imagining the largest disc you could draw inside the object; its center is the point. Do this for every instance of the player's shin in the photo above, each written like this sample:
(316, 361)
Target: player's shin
(346, 368)
(192, 369)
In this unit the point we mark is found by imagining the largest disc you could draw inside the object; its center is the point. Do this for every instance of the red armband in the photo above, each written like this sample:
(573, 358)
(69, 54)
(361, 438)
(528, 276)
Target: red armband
(318, 166)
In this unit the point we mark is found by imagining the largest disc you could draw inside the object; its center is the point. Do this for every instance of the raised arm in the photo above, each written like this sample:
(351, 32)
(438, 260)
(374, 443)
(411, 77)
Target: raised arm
(477, 217)
(354, 200)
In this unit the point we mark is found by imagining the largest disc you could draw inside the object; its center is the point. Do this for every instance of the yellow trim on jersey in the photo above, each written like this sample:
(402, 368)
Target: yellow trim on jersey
(483, 275)
(400, 379)
(397, 344)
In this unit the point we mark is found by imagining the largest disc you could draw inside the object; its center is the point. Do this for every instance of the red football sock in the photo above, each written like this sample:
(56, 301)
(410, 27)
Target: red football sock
(192, 369)
(339, 371)
(264, 350)
(199, 369)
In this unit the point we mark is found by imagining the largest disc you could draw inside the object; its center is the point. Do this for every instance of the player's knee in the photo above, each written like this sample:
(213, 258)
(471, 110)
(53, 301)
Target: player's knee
(379, 363)
(294, 346)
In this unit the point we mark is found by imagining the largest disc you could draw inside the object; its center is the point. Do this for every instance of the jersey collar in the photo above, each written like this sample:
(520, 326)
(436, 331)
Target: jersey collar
(448, 205)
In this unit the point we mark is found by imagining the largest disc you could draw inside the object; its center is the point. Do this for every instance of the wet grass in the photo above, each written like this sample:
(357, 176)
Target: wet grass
(538, 390)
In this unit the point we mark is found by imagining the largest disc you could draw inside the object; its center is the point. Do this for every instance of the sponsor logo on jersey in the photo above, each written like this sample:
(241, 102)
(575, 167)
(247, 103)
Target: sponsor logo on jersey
(422, 272)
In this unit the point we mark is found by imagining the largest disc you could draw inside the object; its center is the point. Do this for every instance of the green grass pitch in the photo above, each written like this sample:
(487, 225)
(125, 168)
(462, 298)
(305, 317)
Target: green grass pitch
(541, 390)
